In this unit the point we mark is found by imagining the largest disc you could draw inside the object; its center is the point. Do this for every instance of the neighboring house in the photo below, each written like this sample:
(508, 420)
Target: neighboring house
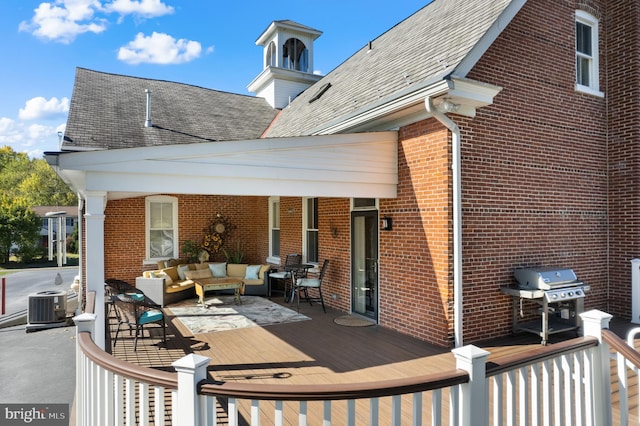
(49, 216)
(494, 134)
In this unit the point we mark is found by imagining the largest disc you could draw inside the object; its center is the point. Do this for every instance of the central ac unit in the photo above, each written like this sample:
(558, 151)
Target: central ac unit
(47, 307)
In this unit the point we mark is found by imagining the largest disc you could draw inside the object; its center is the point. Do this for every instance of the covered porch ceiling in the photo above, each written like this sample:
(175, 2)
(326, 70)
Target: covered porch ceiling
(342, 165)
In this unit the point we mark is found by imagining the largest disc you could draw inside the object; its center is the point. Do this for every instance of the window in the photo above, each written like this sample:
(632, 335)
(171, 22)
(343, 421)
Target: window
(295, 55)
(364, 203)
(310, 225)
(271, 55)
(587, 79)
(161, 227)
(274, 227)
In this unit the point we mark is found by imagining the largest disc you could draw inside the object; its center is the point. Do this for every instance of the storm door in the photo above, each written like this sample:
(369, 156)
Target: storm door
(364, 263)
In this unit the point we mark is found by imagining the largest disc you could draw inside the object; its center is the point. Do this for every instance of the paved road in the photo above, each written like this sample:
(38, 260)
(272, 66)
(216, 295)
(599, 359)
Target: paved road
(25, 282)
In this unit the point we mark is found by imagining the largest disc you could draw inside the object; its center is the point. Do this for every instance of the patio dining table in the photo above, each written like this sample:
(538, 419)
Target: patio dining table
(298, 270)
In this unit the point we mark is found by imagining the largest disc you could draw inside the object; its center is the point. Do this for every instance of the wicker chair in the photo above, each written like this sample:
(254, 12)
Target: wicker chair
(304, 284)
(136, 312)
(113, 287)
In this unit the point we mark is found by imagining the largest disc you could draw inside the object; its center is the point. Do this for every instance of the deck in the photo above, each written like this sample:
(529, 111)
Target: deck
(317, 351)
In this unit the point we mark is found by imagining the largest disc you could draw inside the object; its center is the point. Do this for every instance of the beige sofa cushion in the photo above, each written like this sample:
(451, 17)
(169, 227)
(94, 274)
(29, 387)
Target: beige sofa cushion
(201, 273)
(236, 270)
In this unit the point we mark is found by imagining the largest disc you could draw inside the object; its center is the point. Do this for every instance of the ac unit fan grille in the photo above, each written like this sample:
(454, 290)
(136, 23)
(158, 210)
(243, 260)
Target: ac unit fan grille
(47, 306)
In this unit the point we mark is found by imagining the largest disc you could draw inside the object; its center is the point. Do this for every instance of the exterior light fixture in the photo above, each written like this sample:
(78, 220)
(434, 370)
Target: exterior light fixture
(387, 223)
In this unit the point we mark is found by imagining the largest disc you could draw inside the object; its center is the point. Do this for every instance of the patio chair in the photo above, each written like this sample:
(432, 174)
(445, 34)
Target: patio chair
(284, 275)
(304, 284)
(113, 287)
(136, 314)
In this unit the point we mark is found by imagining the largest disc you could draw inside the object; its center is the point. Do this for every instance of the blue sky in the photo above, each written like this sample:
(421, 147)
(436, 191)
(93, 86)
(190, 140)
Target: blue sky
(206, 43)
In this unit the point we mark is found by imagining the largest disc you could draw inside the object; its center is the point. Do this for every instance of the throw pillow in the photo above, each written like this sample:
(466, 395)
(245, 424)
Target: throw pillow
(252, 272)
(167, 279)
(181, 270)
(218, 270)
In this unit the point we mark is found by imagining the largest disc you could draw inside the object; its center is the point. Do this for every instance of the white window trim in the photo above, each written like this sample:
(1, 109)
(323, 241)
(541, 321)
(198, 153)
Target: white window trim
(594, 89)
(147, 225)
(305, 228)
(272, 259)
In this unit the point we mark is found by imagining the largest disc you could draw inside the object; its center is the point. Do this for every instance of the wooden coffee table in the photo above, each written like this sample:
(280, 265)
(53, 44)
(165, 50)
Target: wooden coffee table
(209, 284)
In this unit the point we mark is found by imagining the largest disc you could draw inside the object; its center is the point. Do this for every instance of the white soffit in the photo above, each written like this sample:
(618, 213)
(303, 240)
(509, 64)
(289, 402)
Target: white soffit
(344, 165)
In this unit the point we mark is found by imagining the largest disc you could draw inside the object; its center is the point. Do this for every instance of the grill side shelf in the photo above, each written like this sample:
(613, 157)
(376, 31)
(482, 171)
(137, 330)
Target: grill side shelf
(526, 294)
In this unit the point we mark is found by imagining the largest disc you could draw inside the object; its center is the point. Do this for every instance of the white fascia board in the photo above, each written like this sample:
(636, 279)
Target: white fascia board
(387, 107)
(334, 165)
(409, 108)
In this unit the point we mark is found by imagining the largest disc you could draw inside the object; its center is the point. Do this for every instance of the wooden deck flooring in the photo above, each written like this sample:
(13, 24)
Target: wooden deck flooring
(317, 351)
(307, 352)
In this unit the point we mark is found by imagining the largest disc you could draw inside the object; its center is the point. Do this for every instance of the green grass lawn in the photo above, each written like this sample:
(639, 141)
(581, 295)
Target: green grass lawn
(14, 263)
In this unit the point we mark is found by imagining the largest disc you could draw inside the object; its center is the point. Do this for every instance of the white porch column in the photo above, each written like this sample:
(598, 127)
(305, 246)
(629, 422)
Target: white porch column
(94, 217)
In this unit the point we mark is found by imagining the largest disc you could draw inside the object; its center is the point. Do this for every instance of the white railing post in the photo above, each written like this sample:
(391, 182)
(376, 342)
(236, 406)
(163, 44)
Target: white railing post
(599, 402)
(191, 370)
(84, 323)
(473, 395)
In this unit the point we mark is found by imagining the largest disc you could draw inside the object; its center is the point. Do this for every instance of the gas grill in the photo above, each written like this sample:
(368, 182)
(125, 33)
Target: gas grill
(558, 295)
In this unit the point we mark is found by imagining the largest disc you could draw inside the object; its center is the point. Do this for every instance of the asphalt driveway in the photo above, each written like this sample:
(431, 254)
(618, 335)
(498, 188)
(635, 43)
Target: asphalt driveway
(36, 367)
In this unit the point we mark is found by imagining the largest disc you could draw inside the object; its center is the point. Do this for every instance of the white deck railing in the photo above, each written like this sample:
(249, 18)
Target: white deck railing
(567, 383)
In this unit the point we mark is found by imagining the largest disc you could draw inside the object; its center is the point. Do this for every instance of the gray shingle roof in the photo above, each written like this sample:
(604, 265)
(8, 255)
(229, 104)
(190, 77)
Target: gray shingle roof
(427, 46)
(109, 111)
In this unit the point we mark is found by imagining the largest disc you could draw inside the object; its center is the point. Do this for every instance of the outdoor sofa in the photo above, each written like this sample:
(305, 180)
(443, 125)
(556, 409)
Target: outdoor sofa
(171, 284)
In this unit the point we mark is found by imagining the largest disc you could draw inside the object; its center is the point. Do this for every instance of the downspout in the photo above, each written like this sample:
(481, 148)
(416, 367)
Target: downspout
(457, 217)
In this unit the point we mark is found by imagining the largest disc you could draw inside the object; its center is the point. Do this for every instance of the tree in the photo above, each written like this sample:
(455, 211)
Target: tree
(19, 227)
(32, 181)
(43, 187)
(24, 184)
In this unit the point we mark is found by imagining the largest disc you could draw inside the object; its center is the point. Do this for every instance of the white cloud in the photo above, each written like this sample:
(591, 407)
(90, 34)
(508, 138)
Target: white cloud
(63, 20)
(39, 108)
(159, 48)
(142, 8)
(33, 139)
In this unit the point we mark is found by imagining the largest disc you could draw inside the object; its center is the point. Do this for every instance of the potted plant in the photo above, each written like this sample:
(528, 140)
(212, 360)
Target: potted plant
(234, 255)
(191, 249)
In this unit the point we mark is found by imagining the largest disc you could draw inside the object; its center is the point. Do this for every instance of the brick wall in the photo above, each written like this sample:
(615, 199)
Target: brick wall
(533, 169)
(125, 229)
(623, 90)
(415, 256)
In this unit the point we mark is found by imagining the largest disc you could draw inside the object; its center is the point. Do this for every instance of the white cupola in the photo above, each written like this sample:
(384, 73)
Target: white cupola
(287, 62)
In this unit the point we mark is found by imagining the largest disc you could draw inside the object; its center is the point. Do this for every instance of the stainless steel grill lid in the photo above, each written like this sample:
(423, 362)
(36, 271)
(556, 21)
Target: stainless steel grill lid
(545, 278)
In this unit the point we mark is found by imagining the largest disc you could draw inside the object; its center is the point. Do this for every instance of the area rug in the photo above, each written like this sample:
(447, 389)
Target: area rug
(222, 314)
(351, 321)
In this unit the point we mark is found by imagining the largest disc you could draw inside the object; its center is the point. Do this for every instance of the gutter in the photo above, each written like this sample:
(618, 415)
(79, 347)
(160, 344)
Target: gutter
(457, 217)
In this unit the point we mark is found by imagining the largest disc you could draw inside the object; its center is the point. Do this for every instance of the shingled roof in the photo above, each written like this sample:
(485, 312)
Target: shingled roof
(108, 111)
(442, 39)
(428, 46)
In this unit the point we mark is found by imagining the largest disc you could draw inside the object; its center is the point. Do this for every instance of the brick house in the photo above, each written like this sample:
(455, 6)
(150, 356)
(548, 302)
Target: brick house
(493, 134)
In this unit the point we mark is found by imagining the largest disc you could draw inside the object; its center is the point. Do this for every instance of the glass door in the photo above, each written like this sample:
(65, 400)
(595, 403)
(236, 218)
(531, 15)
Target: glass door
(364, 263)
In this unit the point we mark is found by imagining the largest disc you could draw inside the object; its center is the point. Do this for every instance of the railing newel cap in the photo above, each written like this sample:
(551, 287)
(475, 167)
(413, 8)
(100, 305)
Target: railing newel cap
(190, 362)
